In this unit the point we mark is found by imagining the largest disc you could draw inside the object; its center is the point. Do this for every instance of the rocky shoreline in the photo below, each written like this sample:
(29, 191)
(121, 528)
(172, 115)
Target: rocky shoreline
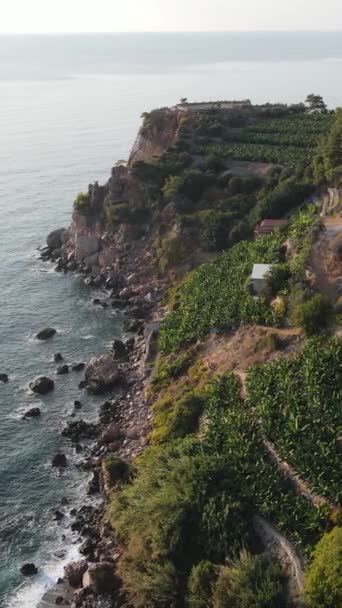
(122, 428)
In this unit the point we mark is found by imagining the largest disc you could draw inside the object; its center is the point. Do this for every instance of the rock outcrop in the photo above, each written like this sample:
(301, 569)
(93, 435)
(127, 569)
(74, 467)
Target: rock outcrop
(55, 239)
(42, 385)
(157, 134)
(102, 373)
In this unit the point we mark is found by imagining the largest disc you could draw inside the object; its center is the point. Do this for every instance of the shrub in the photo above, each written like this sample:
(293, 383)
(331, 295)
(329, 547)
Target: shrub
(183, 504)
(200, 584)
(276, 280)
(117, 469)
(176, 418)
(235, 186)
(118, 213)
(312, 315)
(323, 587)
(214, 231)
(171, 250)
(172, 186)
(214, 163)
(250, 582)
(82, 203)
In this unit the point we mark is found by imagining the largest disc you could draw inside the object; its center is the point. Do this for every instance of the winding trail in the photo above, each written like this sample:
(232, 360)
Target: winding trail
(281, 549)
(300, 486)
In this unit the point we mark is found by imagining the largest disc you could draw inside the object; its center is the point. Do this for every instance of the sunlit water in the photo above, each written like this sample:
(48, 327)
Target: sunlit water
(70, 107)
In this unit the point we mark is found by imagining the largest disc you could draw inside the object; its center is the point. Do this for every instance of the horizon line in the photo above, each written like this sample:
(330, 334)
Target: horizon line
(219, 31)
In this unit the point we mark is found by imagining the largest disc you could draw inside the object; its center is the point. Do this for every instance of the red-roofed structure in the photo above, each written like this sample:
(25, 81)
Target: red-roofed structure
(268, 226)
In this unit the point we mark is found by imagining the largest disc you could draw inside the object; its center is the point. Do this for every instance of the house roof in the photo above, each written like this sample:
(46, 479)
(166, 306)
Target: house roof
(260, 270)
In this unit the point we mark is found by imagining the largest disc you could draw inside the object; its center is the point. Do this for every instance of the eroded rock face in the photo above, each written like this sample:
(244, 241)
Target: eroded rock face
(55, 239)
(74, 572)
(86, 246)
(101, 374)
(42, 385)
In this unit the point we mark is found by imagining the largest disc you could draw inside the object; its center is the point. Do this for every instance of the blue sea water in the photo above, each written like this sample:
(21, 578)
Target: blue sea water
(70, 107)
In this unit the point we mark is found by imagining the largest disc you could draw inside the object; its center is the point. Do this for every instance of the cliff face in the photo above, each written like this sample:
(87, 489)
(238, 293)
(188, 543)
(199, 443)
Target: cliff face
(157, 134)
(115, 225)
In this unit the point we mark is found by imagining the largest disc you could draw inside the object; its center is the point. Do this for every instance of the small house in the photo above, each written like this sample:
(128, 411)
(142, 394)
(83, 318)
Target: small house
(268, 226)
(258, 276)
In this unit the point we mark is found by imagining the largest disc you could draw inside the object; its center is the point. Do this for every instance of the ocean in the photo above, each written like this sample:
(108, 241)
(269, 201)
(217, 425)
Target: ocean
(70, 107)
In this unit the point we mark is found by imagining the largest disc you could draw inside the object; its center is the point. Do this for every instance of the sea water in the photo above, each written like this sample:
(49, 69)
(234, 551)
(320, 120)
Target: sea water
(70, 107)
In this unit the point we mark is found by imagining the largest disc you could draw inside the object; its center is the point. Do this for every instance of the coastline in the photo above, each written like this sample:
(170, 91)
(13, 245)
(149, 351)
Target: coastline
(127, 416)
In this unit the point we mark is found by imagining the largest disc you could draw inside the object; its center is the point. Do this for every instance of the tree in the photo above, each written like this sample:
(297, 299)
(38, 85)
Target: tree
(316, 103)
(323, 587)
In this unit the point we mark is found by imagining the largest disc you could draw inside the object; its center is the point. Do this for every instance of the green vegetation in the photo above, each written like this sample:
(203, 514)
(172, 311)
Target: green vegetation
(216, 296)
(185, 521)
(312, 314)
(249, 582)
(194, 501)
(327, 161)
(82, 203)
(324, 576)
(117, 469)
(285, 141)
(298, 402)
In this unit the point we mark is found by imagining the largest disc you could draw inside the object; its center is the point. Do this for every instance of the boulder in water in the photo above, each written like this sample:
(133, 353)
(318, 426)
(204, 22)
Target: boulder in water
(59, 461)
(3, 378)
(42, 385)
(28, 569)
(55, 239)
(58, 358)
(34, 412)
(62, 370)
(78, 367)
(46, 333)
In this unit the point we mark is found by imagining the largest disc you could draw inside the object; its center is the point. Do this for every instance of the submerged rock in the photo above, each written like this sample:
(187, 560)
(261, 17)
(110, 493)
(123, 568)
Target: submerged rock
(28, 569)
(3, 378)
(59, 461)
(34, 412)
(62, 370)
(101, 374)
(42, 385)
(78, 367)
(46, 333)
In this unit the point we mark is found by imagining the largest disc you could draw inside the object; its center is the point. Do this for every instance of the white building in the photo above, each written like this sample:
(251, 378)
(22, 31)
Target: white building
(258, 276)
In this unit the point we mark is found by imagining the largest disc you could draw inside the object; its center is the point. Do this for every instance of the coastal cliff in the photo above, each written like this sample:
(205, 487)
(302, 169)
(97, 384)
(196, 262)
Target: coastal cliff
(204, 459)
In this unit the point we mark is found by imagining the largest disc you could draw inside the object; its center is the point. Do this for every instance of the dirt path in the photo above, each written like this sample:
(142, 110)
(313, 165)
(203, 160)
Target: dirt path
(283, 551)
(326, 269)
(299, 485)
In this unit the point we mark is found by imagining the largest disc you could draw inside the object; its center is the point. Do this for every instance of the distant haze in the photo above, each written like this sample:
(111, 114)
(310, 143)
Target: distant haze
(44, 16)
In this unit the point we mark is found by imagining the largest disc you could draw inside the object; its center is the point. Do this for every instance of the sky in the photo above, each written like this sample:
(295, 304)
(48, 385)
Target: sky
(44, 16)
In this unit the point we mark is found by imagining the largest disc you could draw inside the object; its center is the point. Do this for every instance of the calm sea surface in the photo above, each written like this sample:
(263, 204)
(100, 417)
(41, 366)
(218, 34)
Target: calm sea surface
(69, 108)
